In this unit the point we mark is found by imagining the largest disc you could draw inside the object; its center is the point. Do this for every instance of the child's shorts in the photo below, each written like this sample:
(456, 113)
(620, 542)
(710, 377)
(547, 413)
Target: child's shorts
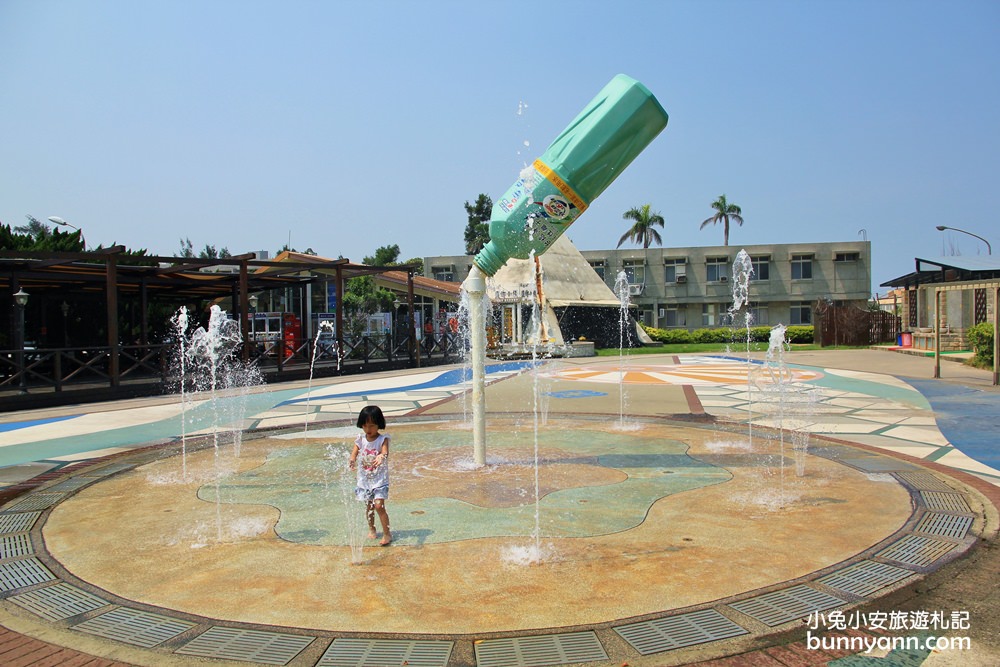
(370, 495)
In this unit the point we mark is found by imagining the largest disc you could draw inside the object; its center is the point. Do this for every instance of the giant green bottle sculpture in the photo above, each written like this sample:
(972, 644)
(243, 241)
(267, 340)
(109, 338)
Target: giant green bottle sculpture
(579, 165)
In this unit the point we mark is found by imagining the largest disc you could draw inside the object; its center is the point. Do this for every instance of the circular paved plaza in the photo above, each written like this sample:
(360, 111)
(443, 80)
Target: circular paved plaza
(655, 537)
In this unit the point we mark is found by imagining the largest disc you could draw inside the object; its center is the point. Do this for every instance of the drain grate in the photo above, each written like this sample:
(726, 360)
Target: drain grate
(132, 626)
(108, 470)
(861, 461)
(666, 634)
(386, 653)
(15, 546)
(269, 648)
(71, 484)
(925, 481)
(37, 501)
(864, 578)
(787, 605)
(540, 650)
(950, 526)
(20, 573)
(916, 550)
(18, 523)
(946, 502)
(58, 602)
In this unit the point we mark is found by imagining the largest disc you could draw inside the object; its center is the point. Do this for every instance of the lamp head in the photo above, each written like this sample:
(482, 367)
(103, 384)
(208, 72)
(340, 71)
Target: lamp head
(941, 228)
(21, 297)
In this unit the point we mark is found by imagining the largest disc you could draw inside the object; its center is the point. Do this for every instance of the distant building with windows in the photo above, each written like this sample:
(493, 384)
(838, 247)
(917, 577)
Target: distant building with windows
(691, 288)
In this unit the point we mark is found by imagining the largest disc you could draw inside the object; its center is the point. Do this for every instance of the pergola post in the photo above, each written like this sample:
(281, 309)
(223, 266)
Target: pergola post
(144, 308)
(339, 310)
(937, 332)
(244, 311)
(111, 290)
(414, 348)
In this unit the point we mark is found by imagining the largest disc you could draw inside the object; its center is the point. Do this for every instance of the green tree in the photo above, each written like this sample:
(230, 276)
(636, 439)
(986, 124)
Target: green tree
(35, 228)
(209, 252)
(387, 255)
(724, 213)
(41, 238)
(418, 263)
(477, 231)
(362, 296)
(38, 236)
(644, 228)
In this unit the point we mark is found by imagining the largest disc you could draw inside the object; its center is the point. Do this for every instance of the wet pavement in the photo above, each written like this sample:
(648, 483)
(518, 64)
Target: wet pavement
(886, 434)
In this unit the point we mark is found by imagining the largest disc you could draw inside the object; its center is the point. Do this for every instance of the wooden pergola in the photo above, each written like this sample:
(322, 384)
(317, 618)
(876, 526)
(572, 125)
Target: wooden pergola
(58, 276)
(939, 291)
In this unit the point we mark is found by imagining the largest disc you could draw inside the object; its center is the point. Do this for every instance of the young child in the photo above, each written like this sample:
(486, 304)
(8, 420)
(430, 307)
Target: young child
(373, 474)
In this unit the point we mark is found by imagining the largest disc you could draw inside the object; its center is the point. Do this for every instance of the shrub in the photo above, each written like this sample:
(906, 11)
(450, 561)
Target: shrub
(759, 334)
(799, 334)
(980, 337)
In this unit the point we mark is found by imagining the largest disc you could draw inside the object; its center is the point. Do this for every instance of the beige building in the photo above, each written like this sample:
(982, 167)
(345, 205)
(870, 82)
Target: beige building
(691, 288)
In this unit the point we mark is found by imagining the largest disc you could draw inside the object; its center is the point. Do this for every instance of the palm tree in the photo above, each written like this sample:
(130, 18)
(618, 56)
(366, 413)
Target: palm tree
(725, 212)
(644, 228)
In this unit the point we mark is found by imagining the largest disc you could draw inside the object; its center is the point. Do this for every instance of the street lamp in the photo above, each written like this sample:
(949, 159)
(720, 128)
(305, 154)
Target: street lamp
(21, 299)
(56, 220)
(989, 248)
(252, 301)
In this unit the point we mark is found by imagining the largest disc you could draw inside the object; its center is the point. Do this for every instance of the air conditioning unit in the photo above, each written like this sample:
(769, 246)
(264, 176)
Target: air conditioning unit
(635, 290)
(723, 279)
(681, 280)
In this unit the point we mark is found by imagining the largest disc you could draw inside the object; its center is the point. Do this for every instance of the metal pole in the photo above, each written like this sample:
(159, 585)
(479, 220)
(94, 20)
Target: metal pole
(23, 380)
(475, 287)
(996, 335)
(989, 248)
(937, 333)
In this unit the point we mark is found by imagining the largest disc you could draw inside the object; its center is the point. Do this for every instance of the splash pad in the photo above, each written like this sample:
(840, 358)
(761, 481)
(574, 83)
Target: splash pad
(663, 517)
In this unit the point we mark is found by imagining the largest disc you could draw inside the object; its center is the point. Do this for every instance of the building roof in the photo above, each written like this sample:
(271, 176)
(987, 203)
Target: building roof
(175, 278)
(948, 269)
(961, 263)
(441, 289)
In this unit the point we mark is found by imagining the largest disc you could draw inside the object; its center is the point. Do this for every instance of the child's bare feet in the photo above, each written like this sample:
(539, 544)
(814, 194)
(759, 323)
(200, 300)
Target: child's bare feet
(386, 539)
(372, 534)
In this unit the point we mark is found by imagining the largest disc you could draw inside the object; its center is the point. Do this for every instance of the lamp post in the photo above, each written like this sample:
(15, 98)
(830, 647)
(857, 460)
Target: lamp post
(989, 248)
(56, 220)
(21, 299)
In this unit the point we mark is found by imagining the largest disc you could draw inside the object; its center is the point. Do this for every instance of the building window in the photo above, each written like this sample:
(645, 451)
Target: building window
(445, 273)
(635, 269)
(717, 269)
(761, 268)
(674, 271)
(802, 267)
(847, 256)
(673, 316)
(758, 315)
(598, 265)
(710, 314)
(801, 313)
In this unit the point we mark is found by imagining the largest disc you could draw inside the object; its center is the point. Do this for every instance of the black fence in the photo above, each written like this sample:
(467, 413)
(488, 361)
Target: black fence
(55, 376)
(849, 325)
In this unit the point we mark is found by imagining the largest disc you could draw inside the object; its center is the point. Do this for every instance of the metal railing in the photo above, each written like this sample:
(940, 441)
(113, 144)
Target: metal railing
(69, 370)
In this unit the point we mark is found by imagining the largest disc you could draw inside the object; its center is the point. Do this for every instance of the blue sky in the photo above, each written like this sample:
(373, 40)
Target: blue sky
(344, 126)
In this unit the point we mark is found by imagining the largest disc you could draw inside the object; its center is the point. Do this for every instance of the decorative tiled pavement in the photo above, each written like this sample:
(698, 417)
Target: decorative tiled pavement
(932, 537)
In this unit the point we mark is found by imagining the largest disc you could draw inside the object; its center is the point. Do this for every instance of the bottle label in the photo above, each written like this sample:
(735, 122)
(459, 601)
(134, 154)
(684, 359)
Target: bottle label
(542, 204)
